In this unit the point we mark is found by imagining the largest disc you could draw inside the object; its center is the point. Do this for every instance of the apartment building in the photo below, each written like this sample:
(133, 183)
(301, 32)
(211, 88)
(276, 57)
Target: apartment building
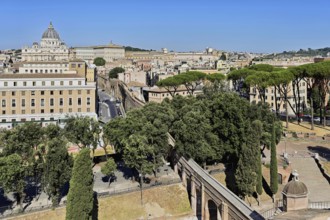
(46, 98)
(270, 97)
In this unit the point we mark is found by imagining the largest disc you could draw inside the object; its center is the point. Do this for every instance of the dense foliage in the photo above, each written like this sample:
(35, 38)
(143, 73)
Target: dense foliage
(218, 127)
(80, 197)
(113, 74)
(99, 61)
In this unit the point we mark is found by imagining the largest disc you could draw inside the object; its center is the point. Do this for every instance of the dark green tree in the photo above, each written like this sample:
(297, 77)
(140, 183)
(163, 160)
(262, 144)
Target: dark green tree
(99, 61)
(80, 197)
(257, 132)
(113, 74)
(12, 174)
(82, 131)
(273, 165)
(109, 168)
(58, 165)
(245, 175)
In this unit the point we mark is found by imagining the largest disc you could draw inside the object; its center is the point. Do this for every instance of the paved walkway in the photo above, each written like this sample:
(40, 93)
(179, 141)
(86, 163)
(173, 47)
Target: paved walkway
(310, 174)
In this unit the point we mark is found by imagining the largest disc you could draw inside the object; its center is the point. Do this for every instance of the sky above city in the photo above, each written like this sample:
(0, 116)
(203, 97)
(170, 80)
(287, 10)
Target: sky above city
(179, 25)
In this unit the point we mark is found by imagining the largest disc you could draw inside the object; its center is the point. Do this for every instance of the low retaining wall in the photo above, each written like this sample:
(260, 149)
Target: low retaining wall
(323, 171)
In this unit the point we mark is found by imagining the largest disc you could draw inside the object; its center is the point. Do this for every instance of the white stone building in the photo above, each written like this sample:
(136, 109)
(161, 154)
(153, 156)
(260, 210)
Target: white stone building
(50, 48)
(109, 52)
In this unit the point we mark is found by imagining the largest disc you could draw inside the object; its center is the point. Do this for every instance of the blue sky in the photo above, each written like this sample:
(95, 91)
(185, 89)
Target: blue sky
(180, 25)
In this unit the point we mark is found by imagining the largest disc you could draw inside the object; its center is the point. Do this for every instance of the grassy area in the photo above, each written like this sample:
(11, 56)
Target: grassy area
(98, 152)
(326, 166)
(157, 202)
(221, 178)
(304, 127)
(264, 197)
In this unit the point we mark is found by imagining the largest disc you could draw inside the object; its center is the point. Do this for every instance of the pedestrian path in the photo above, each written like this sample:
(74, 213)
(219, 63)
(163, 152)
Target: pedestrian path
(310, 174)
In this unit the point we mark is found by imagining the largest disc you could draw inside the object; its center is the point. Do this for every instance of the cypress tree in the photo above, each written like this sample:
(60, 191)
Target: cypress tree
(273, 164)
(80, 197)
(58, 168)
(257, 125)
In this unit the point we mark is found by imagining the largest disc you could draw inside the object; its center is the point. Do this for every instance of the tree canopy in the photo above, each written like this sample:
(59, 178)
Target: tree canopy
(113, 74)
(99, 61)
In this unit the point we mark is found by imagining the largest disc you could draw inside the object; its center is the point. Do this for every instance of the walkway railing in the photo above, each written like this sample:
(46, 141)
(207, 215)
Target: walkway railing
(278, 207)
(319, 205)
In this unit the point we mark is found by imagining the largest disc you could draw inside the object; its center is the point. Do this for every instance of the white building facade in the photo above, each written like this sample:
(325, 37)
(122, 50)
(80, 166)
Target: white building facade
(50, 48)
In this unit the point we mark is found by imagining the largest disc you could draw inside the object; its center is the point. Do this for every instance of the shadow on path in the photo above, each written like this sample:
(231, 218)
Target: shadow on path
(322, 151)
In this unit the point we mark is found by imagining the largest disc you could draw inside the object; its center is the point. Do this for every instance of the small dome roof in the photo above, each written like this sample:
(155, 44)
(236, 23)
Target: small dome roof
(295, 187)
(51, 33)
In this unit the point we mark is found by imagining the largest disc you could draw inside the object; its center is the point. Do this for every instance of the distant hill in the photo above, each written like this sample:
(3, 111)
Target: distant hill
(129, 48)
(323, 52)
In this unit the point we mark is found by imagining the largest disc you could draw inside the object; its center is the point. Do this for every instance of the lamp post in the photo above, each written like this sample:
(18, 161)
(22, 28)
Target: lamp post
(141, 177)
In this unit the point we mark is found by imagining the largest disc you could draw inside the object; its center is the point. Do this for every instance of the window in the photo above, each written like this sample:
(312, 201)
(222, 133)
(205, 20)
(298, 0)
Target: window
(3, 120)
(79, 101)
(13, 112)
(88, 101)
(33, 92)
(79, 92)
(61, 101)
(61, 110)
(51, 71)
(52, 83)
(3, 93)
(73, 65)
(13, 103)
(43, 82)
(62, 83)
(60, 92)
(79, 65)
(34, 83)
(79, 83)
(6, 83)
(42, 119)
(15, 83)
(70, 109)
(42, 92)
(13, 93)
(33, 102)
(23, 102)
(70, 101)
(70, 92)
(79, 109)
(51, 102)
(23, 93)
(88, 109)
(51, 110)
(52, 92)
(23, 111)
(42, 111)
(32, 119)
(24, 84)
(3, 103)
(26, 71)
(3, 112)
(55, 71)
(88, 92)
(42, 102)
(70, 83)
